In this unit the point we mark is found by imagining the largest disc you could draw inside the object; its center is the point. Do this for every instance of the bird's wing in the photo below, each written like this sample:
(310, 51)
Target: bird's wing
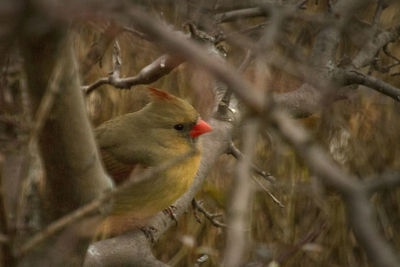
(118, 170)
(108, 138)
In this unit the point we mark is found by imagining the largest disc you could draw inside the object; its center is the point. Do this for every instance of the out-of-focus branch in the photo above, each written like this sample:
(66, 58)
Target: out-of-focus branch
(240, 203)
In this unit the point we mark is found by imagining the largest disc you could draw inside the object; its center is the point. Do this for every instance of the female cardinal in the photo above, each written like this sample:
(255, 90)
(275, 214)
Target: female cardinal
(167, 127)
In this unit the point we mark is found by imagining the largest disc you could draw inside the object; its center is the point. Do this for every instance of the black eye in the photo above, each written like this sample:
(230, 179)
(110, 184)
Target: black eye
(178, 127)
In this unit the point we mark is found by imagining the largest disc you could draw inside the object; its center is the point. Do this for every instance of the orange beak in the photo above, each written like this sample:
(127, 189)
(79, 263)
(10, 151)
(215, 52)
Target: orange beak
(200, 128)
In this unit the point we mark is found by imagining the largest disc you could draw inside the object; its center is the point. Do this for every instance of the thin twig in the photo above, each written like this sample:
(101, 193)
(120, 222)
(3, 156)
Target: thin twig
(382, 69)
(210, 216)
(389, 54)
(235, 152)
(274, 198)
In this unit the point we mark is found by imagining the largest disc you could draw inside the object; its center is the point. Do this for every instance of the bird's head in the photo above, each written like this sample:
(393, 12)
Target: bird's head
(174, 118)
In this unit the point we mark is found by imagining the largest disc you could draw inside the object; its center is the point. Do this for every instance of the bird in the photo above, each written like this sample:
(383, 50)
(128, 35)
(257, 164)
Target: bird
(166, 128)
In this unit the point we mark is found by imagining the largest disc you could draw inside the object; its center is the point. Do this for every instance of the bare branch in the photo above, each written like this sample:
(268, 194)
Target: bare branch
(389, 54)
(273, 197)
(151, 73)
(355, 77)
(210, 216)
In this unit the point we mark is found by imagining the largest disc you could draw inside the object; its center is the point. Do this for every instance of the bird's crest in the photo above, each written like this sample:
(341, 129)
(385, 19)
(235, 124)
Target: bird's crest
(160, 95)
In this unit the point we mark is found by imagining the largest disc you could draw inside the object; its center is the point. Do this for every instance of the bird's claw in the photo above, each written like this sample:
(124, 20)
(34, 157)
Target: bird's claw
(149, 232)
(171, 212)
